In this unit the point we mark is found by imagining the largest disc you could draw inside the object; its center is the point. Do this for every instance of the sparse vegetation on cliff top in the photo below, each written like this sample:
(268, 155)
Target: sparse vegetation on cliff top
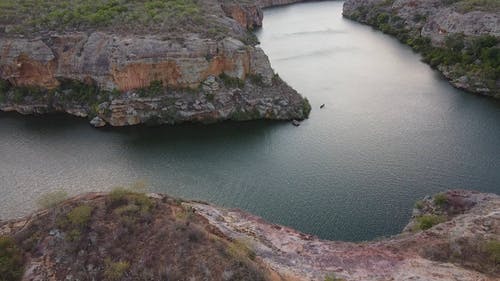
(30, 16)
(11, 260)
(177, 240)
(126, 235)
(427, 221)
(476, 5)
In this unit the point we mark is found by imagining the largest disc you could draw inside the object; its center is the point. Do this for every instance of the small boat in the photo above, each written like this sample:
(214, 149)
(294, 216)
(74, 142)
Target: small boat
(295, 123)
(323, 105)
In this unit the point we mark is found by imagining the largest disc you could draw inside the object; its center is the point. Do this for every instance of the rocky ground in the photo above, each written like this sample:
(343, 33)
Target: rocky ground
(130, 236)
(122, 236)
(201, 65)
(460, 38)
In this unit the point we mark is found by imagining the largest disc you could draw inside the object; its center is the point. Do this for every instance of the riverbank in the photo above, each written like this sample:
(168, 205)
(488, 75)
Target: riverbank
(452, 236)
(461, 38)
(201, 65)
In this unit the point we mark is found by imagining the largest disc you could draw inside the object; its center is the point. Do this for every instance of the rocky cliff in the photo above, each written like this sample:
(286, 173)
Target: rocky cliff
(203, 66)
(460, 38)
(130, 236)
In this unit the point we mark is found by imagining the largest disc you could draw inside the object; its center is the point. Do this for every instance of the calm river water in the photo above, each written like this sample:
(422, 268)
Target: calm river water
(391, 132)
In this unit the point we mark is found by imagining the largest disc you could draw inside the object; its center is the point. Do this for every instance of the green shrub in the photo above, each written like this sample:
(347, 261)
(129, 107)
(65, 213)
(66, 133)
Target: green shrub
(419, 204)
(79, 92)
(38, 15)
(455, 42)
(129, 203)
(332, 277)
(440, 199)
(51, 199)
(155, 88)
(4, 86)
(276, 78)
(19, 94)
(115, 270)
(75, 222)
(4, 89)
(74, 235)
(250, 39)
(240, 115)
(383, 18)
(427, 221)
(465, 6)
(232, 82)
(118, 196)
(306, 108)
(11, 260)
(256, 79)
(80, 216)
(493, 250)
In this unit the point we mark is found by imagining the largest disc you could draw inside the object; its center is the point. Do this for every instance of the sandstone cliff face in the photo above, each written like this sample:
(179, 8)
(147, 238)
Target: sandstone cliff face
(249, 13)
(438, 20)
(128, 63)
(453, 248)
(249, 16)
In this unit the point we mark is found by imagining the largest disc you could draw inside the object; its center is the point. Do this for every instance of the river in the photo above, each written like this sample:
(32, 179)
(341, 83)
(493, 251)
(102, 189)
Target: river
(391, 132)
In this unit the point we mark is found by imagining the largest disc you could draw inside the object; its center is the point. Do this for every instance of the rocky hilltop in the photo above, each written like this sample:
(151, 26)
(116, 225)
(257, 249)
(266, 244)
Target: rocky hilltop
(460, 38)
(132, 236)
(123, 62)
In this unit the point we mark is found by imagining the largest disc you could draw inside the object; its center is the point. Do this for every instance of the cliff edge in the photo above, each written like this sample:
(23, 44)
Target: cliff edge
(124, 235)
(125, 62)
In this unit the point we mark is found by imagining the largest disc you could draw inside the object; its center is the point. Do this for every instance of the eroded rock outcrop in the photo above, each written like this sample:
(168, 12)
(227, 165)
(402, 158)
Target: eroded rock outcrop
(452, 249)
(123, 67)
(452, 236)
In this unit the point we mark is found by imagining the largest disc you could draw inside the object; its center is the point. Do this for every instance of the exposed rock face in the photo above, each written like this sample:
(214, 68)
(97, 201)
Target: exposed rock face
(249, 16)
(217, 102)
(452, 250)
(448, 251)
(274, 3)
(127, 63)
(438, 20)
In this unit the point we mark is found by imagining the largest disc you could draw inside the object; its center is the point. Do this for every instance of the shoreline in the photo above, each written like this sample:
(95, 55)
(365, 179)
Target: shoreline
(432, 37)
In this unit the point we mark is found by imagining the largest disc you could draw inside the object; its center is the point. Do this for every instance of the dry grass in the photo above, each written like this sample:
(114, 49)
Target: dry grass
(129, 236)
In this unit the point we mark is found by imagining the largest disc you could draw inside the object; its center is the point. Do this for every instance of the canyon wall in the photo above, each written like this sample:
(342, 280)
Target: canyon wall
(460, 38)
(138, 78)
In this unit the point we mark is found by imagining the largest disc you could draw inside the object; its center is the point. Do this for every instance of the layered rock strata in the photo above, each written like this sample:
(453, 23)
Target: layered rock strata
(159, 77)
